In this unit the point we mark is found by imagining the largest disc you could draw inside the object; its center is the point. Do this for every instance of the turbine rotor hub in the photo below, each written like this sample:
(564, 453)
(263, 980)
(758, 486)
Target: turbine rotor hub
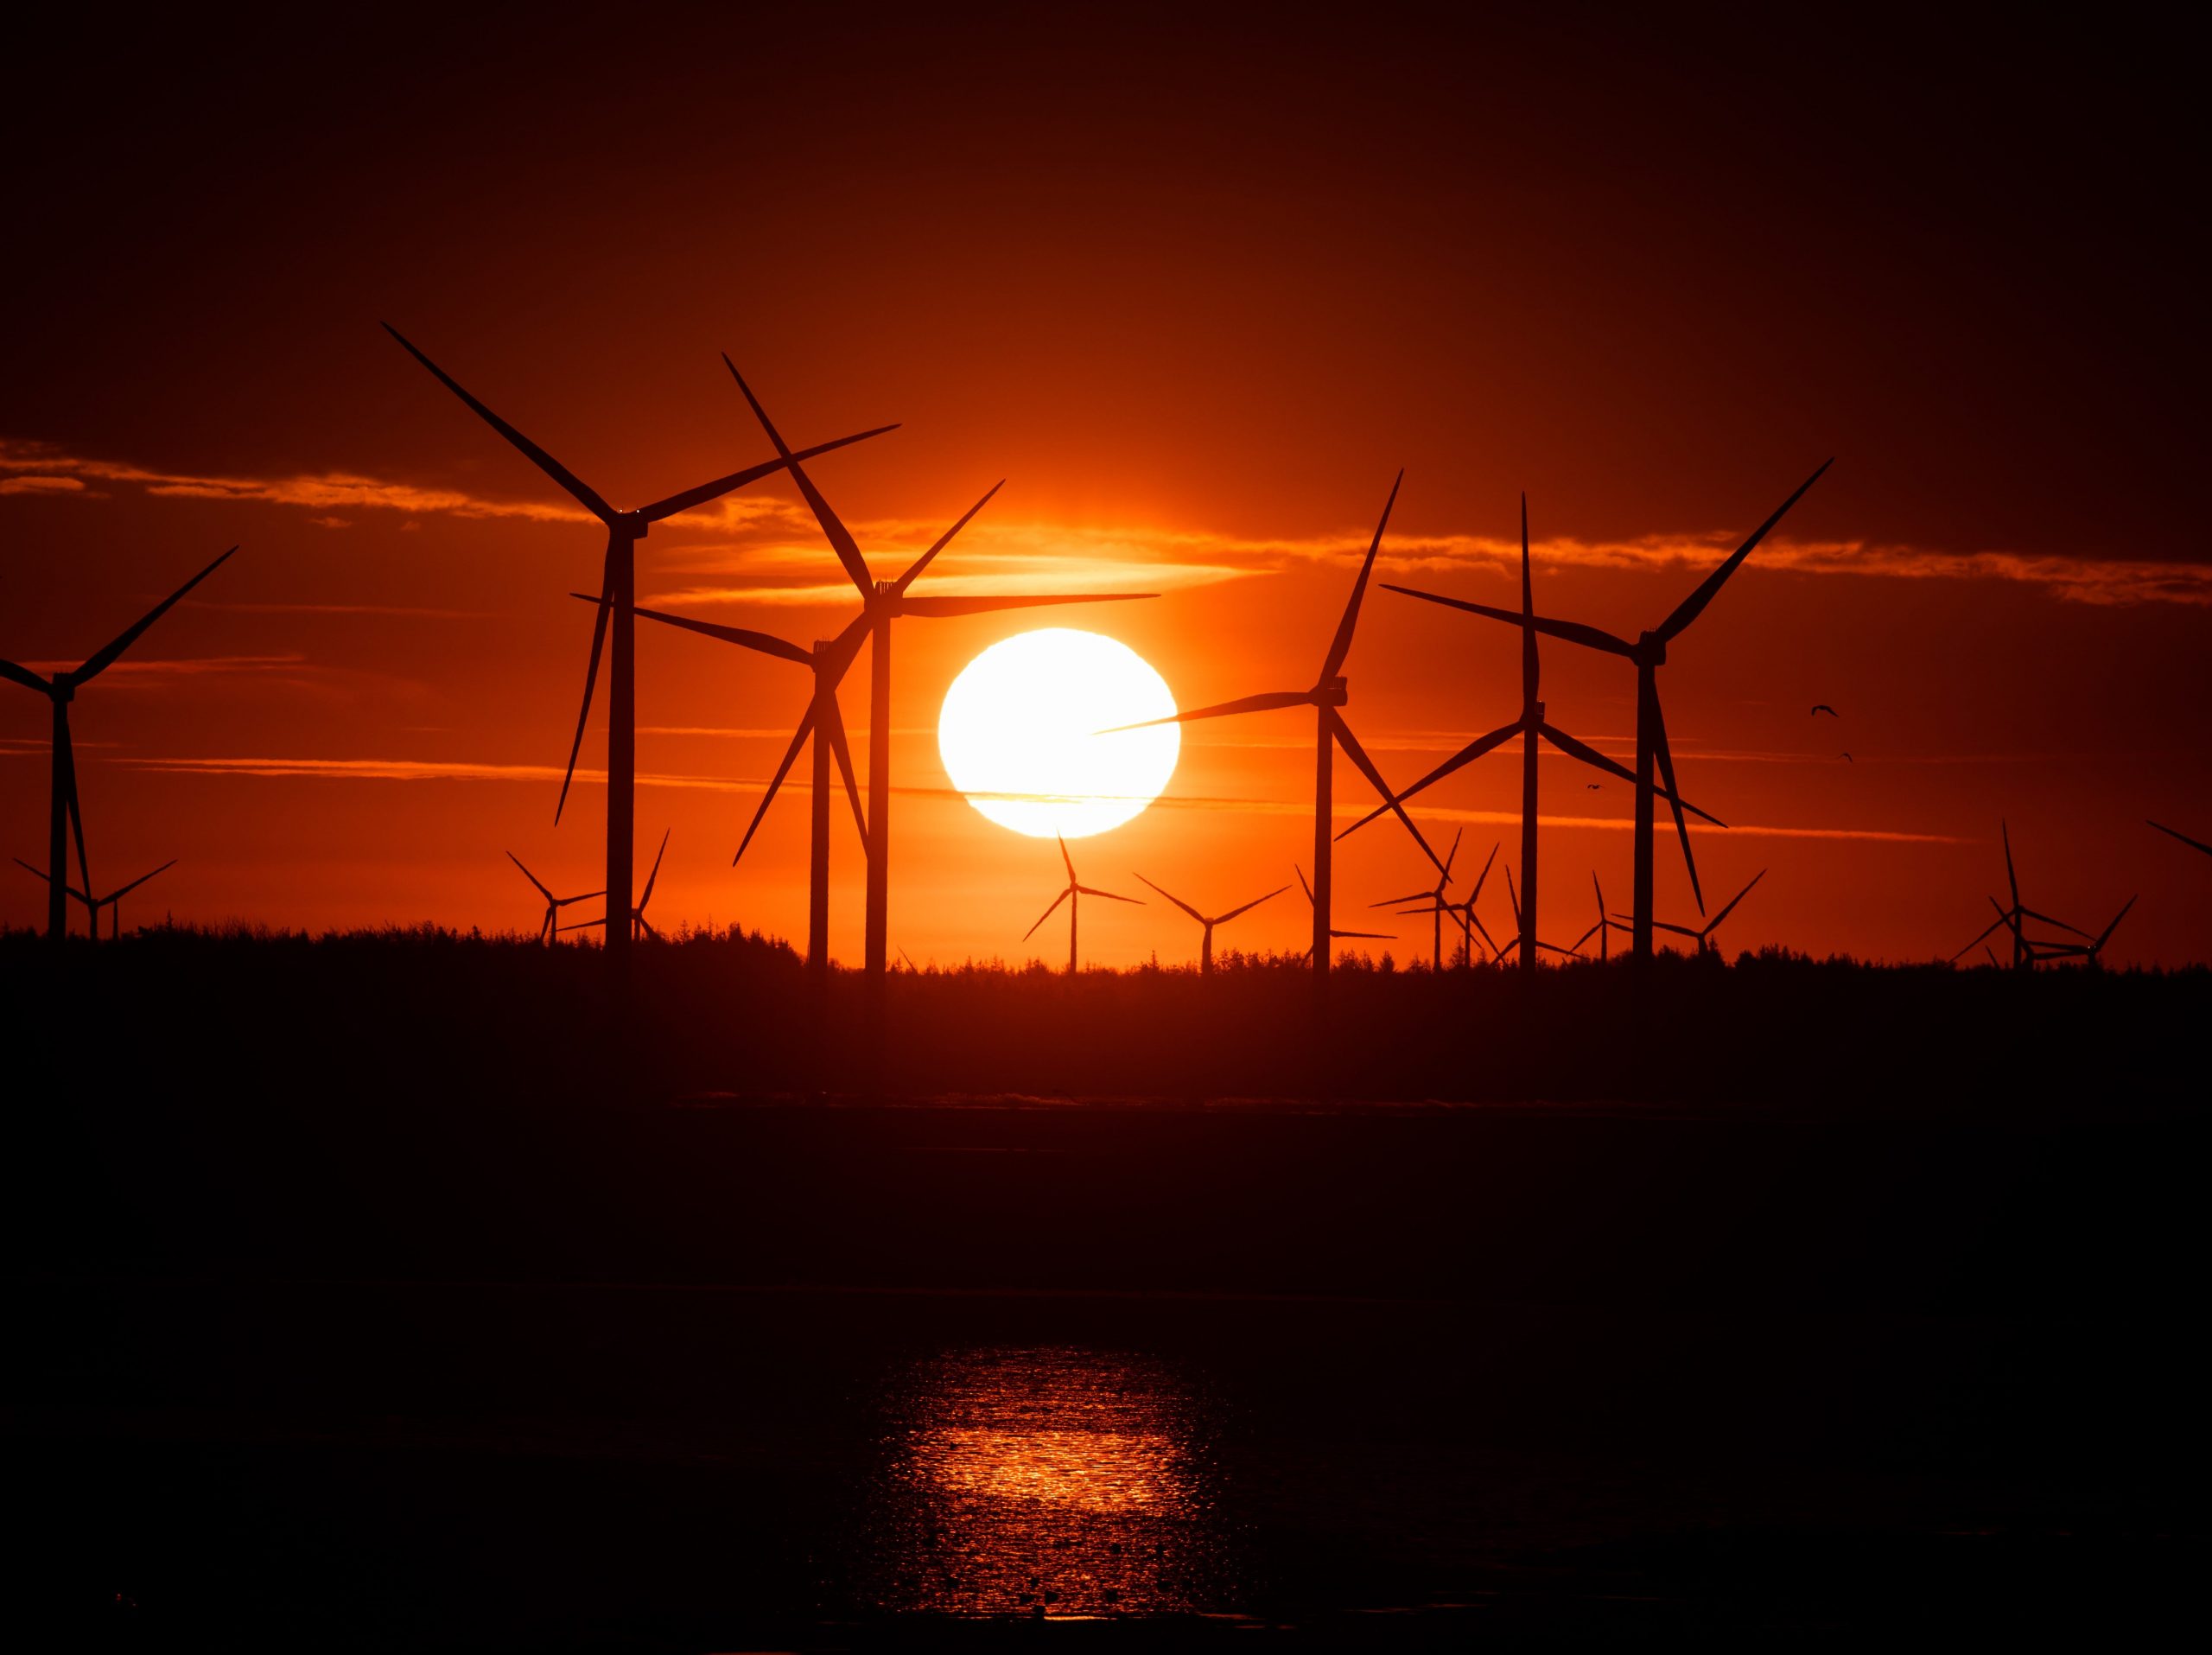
(1331, 692)
(1651, 649)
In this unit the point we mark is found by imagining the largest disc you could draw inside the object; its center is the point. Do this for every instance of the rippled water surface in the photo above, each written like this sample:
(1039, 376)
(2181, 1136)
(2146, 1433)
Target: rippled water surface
(1056, 1480)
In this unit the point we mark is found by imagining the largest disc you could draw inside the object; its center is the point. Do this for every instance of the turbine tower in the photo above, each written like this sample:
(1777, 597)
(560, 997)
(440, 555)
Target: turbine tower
(1649, 653)
(63, 812)
(1205, 941)
(1072, 896)
(618, 590)
(1327, 697)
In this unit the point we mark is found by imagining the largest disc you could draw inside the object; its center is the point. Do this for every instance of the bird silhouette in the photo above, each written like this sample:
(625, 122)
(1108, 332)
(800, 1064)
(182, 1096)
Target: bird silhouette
(1848, 759)
(1823, 706)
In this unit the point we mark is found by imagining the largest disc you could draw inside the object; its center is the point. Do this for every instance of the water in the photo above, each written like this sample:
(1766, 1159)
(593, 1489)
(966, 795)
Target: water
(1047, 1482)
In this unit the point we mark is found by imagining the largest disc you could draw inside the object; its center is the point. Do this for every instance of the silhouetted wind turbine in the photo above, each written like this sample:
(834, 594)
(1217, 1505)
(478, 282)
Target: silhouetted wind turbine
(618, 595)
(1329, 694)
(2026, 950)
(638, 923)
(1703, 935)
(112, 901)
(63, 811)
(882, 601)
(2194, 844)
(1437, 907)
(1205, 941)
(1606, 926)
(1072, 896)
(1649, 653)
(2089, 953)
(825, 725)
(553, 904)
(1531, 725)
(1335, 935)
(1525, 942)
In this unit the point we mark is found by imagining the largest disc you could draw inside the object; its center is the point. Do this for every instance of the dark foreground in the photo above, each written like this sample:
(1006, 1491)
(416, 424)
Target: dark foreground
(354, 1309)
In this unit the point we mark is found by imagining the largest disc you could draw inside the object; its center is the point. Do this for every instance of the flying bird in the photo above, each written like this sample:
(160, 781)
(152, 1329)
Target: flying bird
(1848, 759)
(1592, 785)
(1823, 706)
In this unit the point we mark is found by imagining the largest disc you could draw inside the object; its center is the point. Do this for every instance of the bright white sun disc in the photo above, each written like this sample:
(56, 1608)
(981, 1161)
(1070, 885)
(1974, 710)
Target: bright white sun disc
(1019, 733)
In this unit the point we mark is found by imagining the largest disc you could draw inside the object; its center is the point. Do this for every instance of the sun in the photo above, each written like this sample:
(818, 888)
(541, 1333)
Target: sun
(1019, 734)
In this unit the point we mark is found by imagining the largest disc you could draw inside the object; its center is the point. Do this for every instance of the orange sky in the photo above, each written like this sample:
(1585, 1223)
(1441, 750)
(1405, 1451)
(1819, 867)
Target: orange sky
(1197, 296)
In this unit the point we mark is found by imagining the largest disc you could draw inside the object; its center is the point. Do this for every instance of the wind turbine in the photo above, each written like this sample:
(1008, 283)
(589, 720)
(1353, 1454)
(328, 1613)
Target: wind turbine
(1206, 942)
(1649, 653)
(63, 812)
(619, 595)
(1606, 926)
(1072, 896)
(1329, 694)
(112, 901)
(881, 602)
(638, 923)
(1438, 907)
(1335, 935)
(1525, 942)
(825, 725)
(1703, 935)
(2026, 950)
(553, 904)
(1529, 726)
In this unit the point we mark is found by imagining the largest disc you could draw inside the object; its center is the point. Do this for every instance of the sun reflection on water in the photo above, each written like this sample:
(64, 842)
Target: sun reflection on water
(1056, 1481)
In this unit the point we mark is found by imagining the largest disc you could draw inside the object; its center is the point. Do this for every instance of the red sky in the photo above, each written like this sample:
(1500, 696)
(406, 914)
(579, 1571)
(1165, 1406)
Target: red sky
(1197, 292)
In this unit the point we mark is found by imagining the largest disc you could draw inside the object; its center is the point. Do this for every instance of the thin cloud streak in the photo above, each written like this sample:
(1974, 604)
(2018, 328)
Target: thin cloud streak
(1168, 559)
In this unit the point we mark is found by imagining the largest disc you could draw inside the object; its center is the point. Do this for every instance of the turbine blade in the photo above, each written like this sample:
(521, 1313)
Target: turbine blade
(2193, 845)
(843, 753)
(1370, 936)
(1302, 885)
(31, 680)
(99, 663)
(1714, 924)
(1249, 907)
(1452, 854)
(1109, 896)
(1465, 756)
(1414, 896)
(1666, 757)
(1514, 897)
(585, 496)
(2011, 877)
(1069, 861)
(2049, 919)
(798, 741)
(839, 537)
(1340, 645)
(1180, 903)
(765, 643)
(1575, 749)
(940, 608)
(943, 540)
(1482, 876)
(591, 681)
(1585, 937)
(1046, 914)
(2113, 926)
(655, 874)
(1571, 632)
(737, 480)
(1679, 931)
(172, 861)
(1694, 606)
(1357, 754)
(1259, 703)
(532, 877)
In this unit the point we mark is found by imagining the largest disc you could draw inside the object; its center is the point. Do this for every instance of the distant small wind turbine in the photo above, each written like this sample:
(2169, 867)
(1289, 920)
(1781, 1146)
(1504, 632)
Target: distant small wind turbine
(618, 590)
(2026, 951)
(112, 901)
(1524, 937)
(63, 812)
(1462, 912)
(1072, 896)
(553, 904)
(1703, 935)
(1606, 926)
(639, 926)
(1205, 941)
(1437, 907)
(2091, 953)
(1335, 935)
